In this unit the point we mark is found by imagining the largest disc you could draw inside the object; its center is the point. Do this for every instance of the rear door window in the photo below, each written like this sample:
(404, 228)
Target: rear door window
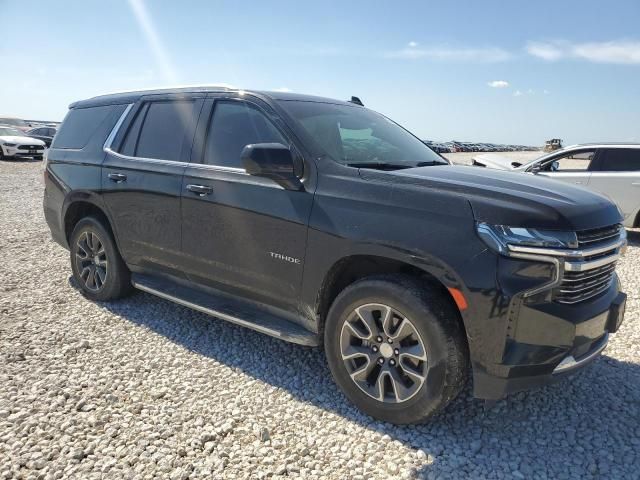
(233, 126)
(164, 129)
(620, 160)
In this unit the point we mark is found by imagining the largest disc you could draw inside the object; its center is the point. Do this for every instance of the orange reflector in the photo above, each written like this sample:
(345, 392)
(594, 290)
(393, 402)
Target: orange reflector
(458, 297)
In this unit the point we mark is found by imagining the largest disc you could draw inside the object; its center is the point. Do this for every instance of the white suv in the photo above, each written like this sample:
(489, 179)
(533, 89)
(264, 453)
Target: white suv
(610, 169)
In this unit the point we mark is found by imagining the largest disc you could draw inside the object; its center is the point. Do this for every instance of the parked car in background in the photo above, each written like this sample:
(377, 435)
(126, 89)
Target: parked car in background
(610, 169)
(319, 221)
(16, 123)
(45, 134)
(15, 143)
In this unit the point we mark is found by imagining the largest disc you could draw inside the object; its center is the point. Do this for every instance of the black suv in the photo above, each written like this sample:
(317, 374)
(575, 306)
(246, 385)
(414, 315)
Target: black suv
(322, 222)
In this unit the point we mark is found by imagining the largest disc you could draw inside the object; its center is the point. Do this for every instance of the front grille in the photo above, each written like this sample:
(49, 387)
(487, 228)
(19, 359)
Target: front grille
(30, 147)
(595, 236)
(577, 286)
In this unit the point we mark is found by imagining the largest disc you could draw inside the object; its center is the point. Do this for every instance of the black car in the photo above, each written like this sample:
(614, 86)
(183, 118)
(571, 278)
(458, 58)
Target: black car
(45, 134)
(321, 222)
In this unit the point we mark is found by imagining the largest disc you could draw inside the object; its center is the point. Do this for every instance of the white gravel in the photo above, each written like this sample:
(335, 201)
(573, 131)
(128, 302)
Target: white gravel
(143, 388)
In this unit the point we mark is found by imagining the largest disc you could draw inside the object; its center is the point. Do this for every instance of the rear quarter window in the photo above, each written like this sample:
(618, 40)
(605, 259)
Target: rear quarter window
(81, 124)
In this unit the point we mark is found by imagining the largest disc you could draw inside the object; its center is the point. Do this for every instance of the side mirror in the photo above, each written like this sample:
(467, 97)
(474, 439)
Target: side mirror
(271, 160)
(536, 169)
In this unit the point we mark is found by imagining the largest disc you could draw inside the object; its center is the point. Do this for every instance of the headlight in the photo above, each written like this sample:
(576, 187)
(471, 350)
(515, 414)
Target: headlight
(498, 237)
(10, 144)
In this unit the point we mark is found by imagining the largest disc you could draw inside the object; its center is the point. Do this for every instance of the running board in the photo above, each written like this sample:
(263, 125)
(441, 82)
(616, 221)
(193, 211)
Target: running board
(226, 308)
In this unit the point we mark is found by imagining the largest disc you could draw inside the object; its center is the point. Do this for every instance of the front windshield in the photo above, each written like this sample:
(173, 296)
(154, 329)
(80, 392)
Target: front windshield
(15, 122)
(356, 136)
(10, 132)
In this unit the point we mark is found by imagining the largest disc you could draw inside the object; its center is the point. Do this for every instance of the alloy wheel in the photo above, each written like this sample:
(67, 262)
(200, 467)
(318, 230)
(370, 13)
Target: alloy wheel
(383, 353)
(91, 261)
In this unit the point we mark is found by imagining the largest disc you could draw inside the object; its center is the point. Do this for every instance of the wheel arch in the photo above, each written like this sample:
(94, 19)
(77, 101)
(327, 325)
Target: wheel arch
(81, 206)
(352, 268)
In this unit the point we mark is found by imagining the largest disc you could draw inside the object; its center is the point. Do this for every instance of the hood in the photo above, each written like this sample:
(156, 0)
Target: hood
(515, 199)
(499, 162)
(21, 140)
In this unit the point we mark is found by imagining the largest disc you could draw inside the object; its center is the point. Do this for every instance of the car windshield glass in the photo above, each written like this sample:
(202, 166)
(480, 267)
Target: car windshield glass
(15, 122)
(356, 136)
(11, 132)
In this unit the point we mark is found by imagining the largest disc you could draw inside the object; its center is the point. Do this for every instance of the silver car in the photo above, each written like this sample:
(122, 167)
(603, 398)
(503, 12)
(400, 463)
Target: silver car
(610, 169)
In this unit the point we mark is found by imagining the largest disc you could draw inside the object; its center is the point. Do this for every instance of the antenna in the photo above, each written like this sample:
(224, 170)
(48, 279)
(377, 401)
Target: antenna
(357, 101)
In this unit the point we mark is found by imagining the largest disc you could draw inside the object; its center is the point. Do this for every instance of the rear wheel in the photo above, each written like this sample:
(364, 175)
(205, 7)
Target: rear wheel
(395, 346)
(97, 266)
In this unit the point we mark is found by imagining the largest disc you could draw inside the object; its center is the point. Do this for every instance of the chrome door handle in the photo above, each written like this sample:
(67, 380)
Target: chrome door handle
(117, 177)
(636, 184)
(200, 190)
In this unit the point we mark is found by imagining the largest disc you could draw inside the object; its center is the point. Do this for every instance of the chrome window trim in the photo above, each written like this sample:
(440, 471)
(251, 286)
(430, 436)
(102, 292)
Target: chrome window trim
(114, 131)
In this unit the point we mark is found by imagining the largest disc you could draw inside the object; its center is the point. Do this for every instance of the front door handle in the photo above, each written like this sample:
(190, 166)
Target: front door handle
(201, 190)
(117, 177)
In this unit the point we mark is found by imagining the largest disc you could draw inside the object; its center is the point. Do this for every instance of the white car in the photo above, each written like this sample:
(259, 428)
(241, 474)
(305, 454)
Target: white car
(610, 169)
(14, 144)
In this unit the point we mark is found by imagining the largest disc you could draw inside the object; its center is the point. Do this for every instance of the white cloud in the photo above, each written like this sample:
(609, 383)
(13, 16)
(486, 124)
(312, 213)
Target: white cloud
(412, 44)
(546, 92)
(481, 55)
(530, 91)
(546, 51)
(609, 52)
(498, 84)
(517, 93)
(620, 51)
(282, 89)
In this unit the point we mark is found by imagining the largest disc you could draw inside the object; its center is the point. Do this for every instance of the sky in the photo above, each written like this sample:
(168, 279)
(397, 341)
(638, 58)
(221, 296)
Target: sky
(491, 71)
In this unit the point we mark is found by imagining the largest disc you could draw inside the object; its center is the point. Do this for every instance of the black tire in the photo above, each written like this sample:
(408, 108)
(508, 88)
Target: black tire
(437, 322)
(117, 279)
(2, 157)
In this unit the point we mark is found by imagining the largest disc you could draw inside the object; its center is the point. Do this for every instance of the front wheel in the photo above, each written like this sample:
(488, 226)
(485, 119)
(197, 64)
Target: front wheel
(396, 347)
(97, 266)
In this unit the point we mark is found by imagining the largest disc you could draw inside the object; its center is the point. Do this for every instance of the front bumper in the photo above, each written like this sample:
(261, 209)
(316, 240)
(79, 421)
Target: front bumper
(532, 340)
(17, 151)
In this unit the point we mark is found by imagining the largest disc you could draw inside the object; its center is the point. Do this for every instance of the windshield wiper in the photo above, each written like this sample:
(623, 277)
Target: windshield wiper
(379, 165)
(430, 163)
(392, 166)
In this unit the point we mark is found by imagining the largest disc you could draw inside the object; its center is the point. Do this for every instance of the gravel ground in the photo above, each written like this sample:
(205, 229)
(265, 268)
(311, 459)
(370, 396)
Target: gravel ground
(143, 388)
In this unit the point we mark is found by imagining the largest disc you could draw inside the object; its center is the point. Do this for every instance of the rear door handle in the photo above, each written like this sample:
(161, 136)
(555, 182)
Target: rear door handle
(636, 184)
(201, 190)
(117, 177)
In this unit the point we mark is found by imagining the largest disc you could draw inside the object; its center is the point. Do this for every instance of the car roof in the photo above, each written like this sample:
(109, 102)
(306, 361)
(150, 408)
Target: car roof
(579, 146)
(133, 96)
